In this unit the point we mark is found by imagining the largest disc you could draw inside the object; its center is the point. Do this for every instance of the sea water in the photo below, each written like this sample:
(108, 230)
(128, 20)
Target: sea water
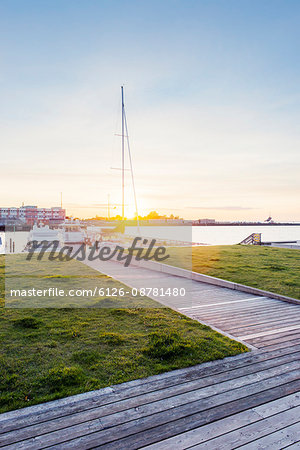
(219, 235)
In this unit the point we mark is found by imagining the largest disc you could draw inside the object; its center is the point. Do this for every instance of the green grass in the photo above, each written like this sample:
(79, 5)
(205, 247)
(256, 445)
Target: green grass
(269, 268)
(51, 353)
(23, 275)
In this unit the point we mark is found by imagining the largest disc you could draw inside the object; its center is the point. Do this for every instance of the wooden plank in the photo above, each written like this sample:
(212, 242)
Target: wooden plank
(116, 426)
(253, 315)
(237, 315)
(278, 344)
(287, 338)
(38, 413)
(263, 321)
(221, 303)
(278, 336)
(295, 446)
(191, 390)
(237, 330)
(138, 434)
(270, 332)
(254, 432)
(267, 302)
(232, 304)
(247, 310)
(214, 310)
(276, 440)
(220, 427)
(137, 401)
(281, 345)
(240, 322)
(255, 319)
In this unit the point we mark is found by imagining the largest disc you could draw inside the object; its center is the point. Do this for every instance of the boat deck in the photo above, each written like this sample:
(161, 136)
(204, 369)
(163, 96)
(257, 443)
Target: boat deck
(251, 401)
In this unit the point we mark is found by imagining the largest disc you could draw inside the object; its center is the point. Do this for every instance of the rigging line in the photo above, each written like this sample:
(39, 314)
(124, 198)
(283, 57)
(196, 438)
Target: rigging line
(123, 152)
(115, 127)
(132, 177)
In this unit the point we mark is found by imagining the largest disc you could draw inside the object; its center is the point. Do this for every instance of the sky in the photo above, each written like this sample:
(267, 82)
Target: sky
(212, 99)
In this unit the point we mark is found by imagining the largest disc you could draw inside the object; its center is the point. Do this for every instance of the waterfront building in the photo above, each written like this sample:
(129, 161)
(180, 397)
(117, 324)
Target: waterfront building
(30, 215)
(206, 221)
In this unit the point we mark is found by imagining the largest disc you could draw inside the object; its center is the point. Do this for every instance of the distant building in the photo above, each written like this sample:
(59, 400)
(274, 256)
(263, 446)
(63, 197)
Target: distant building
(32, 214)
(206, 221)
(164, 221)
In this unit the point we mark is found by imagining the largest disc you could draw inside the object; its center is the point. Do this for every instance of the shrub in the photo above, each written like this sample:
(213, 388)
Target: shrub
(9, 381)
(85, 357)
(275, 267)
(60, 377)
(167, 345)
(51, 344)
(27, 322)
(93, 384)
(111, 338)
(124, 312)
(290, 283)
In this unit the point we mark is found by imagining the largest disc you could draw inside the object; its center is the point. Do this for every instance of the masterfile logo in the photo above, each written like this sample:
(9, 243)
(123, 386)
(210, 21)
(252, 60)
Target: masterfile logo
(104, 253)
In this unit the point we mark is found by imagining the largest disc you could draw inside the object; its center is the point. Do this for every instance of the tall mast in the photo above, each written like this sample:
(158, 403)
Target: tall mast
(125, 130)
(123, 152)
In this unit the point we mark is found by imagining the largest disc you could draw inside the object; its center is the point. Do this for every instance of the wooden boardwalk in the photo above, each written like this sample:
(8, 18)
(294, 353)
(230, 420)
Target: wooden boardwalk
(259, 321)
(251, 401)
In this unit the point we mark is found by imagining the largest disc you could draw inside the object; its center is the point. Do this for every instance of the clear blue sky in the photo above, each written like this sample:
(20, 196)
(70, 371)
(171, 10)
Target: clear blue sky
(212, 96)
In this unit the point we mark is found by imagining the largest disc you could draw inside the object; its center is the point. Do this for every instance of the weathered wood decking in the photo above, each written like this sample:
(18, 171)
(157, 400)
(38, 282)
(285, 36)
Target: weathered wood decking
(251, 401)
(225, 404)
(259, 321)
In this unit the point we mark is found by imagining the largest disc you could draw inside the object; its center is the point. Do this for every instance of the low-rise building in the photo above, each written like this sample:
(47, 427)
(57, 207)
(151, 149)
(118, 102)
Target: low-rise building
(206, 221)
(32, 214)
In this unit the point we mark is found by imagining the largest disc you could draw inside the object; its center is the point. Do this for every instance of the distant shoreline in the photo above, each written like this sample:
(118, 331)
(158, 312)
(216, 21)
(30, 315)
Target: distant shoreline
(129, 223)
(245, 224)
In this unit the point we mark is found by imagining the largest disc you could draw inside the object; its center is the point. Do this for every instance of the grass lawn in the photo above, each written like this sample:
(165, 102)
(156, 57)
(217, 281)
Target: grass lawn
(52, 353)
(269, 268)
